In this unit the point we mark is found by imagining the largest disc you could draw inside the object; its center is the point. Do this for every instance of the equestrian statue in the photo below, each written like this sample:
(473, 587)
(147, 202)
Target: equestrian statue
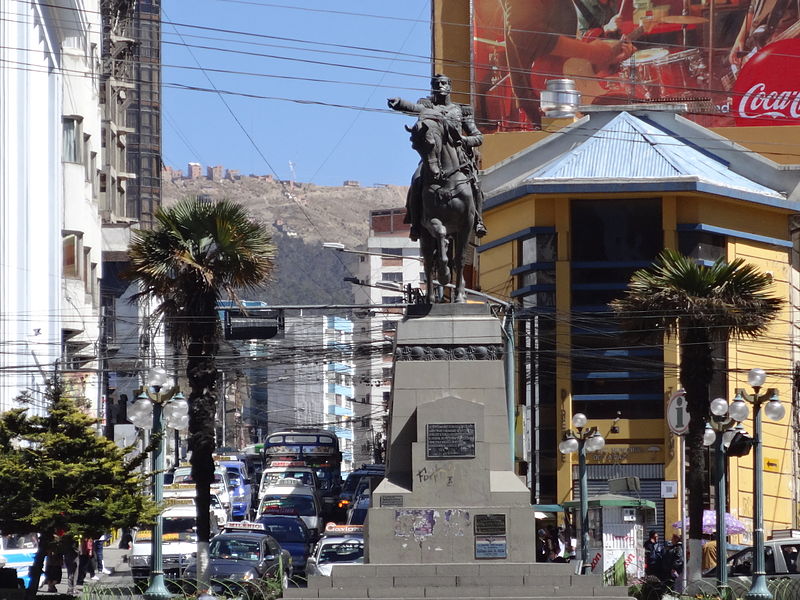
(444, 202)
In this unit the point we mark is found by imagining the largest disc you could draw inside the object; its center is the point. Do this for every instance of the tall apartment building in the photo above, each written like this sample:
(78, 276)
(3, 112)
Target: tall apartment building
(144, 115)
(130, 184)
(389, 263)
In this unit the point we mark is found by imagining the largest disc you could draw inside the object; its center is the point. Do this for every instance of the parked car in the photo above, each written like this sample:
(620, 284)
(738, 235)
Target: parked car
(780, 562)
(341, 544)
(244, 552)
(240, 485)
(292, 534)
(293, 498)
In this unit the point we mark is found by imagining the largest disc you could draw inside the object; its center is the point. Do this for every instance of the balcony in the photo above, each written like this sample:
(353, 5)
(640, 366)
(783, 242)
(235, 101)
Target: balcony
(341, 368)
(341, 411)
(343, 390)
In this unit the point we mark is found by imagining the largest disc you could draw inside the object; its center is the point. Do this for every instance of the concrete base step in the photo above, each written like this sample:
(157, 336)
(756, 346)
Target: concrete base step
(508, 581)
(462, 593)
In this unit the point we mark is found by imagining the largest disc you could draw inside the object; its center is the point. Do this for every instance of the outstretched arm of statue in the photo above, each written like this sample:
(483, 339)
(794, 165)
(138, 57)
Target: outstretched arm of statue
(404, 105)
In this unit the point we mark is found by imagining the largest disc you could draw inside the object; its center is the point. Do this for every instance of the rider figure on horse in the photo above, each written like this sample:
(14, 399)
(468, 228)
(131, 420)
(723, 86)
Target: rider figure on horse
(466, 136)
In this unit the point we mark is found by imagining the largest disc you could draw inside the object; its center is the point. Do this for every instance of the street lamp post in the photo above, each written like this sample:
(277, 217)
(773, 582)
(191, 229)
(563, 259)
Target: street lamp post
(583, 439)
(720, 437)
(775, 412)
(151, 412)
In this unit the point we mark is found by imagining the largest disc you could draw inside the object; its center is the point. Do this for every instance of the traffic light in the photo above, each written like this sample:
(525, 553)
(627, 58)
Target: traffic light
(740, 444)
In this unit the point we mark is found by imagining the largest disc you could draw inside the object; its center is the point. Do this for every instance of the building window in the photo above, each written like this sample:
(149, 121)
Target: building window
(73, 138)
(392, 300)
(392, 277)
(392, 251)
(72, 251)
(610, 240)
(702, 245)
(537, 274)
(390, 326)
(539, 248)
(387, 373)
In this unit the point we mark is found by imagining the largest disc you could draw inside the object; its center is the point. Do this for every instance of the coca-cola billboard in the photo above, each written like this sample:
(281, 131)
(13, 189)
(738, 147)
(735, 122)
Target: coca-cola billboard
(766, 92)
(735, 63)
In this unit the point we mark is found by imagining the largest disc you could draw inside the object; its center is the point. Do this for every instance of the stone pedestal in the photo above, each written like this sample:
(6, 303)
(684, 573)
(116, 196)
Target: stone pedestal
(449, 494)
(450, 519)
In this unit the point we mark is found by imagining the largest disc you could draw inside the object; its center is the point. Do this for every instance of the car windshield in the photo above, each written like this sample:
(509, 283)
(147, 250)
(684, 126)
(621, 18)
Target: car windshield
(305, 476)
(11, 541)
(325, 478)
(294, 504)
(232, 548)
(185, 476)
(351, 482)
(175, 529)
(341, 552)
(286, 532)
(357, 517)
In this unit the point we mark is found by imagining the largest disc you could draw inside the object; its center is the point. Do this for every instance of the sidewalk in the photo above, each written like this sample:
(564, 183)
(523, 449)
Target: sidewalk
(113, 560)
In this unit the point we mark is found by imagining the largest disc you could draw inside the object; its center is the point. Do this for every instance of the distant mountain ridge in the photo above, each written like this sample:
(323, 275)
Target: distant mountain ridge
(307, 273)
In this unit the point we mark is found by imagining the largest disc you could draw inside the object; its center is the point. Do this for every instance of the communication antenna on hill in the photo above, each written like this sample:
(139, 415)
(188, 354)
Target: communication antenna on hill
(291, 169)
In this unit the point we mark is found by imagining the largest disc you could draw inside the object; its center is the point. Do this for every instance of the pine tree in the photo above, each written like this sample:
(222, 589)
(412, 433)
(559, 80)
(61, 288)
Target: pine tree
(60, 477)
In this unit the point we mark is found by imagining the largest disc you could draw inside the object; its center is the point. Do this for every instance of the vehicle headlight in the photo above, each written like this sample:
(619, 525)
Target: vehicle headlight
(246, 576)
(140, 560)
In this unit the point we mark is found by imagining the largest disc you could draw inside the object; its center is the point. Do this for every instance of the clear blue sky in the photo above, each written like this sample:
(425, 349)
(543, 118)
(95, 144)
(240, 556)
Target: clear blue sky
(383, 48)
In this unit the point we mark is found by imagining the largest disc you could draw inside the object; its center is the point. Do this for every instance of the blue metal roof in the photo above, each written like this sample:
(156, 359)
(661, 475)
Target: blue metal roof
(628, 149)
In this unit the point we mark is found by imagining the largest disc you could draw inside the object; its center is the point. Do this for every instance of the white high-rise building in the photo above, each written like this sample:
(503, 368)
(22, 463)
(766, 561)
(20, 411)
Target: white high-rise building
(50, 241)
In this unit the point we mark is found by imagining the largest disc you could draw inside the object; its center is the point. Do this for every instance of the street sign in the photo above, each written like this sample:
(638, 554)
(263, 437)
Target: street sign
(677, 415)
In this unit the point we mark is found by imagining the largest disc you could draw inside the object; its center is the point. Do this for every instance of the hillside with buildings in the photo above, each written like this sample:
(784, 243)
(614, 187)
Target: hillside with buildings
(302, 217)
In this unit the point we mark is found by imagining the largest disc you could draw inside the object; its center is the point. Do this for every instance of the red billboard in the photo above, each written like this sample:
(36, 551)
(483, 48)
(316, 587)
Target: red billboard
(735, 62)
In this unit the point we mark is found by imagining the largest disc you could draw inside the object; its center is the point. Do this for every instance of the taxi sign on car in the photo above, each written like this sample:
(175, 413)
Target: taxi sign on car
(244, 526)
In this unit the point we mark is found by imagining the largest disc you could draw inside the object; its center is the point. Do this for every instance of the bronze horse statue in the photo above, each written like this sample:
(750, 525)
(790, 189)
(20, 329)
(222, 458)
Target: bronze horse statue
(447, 203)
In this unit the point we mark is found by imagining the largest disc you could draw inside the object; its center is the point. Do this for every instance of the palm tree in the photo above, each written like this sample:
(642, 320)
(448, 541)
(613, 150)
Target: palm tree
(701, 306)
(197, 252)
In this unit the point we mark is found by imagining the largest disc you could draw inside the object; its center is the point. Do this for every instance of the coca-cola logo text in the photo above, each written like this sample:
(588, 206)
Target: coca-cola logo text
(758, 103)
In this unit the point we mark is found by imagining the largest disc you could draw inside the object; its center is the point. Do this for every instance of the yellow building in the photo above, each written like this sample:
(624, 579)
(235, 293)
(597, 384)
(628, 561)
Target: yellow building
(572, 211)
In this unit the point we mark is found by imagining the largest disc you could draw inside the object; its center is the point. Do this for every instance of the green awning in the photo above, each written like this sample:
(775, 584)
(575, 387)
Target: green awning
(547, 508)
(614, 500)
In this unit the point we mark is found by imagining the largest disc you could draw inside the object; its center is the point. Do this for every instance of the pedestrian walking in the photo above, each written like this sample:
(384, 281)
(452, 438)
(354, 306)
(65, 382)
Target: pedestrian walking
(99, 544)
(53, 566)
(86, 561)
(69, 552)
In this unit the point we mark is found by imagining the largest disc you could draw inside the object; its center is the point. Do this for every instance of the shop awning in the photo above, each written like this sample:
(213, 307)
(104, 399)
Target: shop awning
(614, 500)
